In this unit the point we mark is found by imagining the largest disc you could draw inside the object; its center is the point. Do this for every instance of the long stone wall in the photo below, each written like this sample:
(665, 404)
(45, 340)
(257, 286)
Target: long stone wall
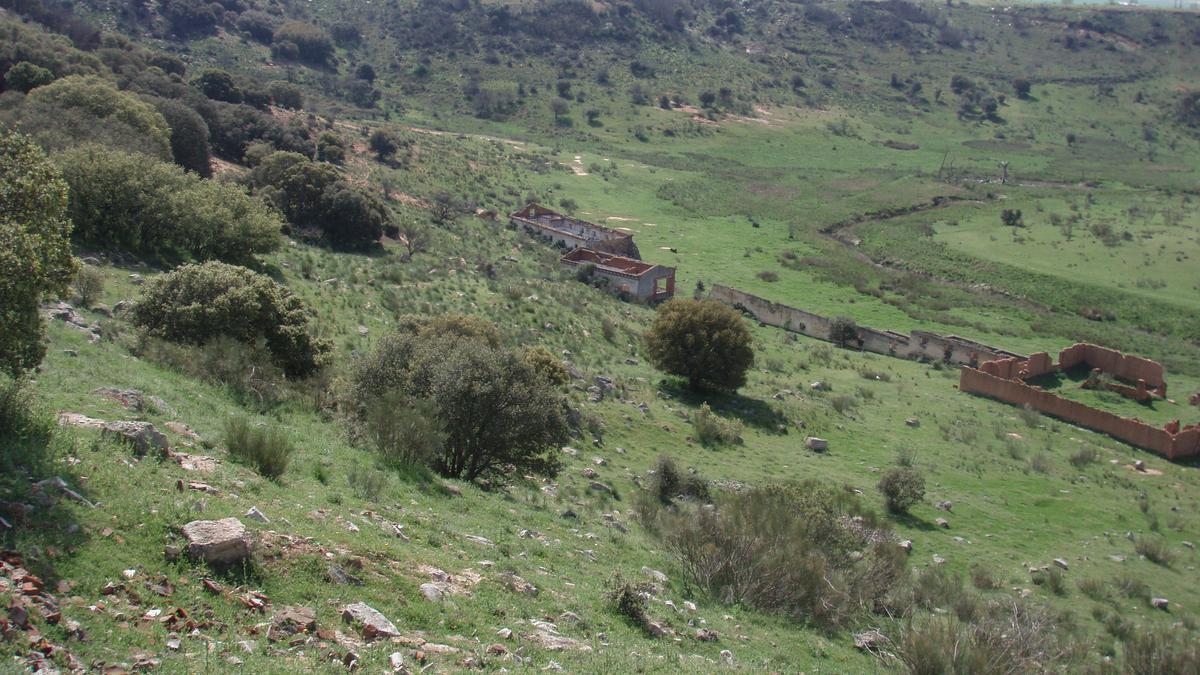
(1185, 443)
(920, 345)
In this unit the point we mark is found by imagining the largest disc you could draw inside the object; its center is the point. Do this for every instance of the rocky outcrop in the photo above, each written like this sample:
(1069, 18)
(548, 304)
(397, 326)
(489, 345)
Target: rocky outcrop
(217, 542)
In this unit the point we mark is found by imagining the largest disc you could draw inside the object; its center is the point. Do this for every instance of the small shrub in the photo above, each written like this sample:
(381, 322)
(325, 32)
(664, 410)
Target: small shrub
(1165, 650)
(1094, 588)
(935, 587)
(1006, 636)
(1131, 586)
(1041, 463)
(1029, 416)
(843, 403)
(982, 578)
(367, 482)
(787, 549)
(1154, 549)
(1056, 581)
(768, 276)
(403, 431)
(266, 449)
(906, 457)
(26, 431)
(712, 429)
(629, 600)
(1084, 457)
(843, 331)
(902, 488)
(669, 482)
(89, 285)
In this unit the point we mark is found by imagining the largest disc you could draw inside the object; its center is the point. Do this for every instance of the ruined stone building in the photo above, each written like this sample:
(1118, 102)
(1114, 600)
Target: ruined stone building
(572, 233)
(628, 277)
(1009, 380)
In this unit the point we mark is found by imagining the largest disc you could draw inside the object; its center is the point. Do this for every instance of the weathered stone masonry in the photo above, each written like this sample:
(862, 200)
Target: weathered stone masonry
(1005, 380)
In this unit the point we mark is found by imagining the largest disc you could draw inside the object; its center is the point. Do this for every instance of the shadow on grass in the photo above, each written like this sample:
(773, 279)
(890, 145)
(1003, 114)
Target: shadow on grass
(750, 411)
(1060, 382)
(914, 522)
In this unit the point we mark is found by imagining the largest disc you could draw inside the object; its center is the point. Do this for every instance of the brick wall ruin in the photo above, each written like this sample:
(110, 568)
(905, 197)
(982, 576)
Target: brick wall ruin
(918, 346)
(1171, 442)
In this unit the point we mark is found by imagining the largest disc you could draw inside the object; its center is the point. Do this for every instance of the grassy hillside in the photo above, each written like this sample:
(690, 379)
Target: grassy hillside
(822, 177)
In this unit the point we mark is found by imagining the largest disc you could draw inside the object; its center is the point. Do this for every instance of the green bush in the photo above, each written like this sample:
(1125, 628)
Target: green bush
(787, 549)
(1163, 650)
(313, 44)
(26, 433)
(500, 414)
(902, 488)
(318, 202)
(189, 136)
(1155, 549)
(669, 482)
(266, 449)
(195, 304)
(404, 432)
(1005, 636)
(712, 429)
(843, 331)
(25, 76)
(35, 251)
(78, 109)
(125, 201)
(89, 285)
(703, 341)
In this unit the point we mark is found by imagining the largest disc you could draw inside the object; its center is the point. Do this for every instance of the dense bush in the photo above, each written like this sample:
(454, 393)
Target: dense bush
(786, 549)
(258, 25)
(286, 95)
(703, 341)
(712, 429)
(191, 16)
(843, 331)
(76, 110)
(21, 42)
(313, 44)
(404, 431)
(189, 136)
(35, 251)
(1005, 636)
(499, 413)
(318, 202)
(219, 86)
(195, 304)
(26, 76)
(233, 128)
(89, 285)
(266, 449)
(669, 482)
(902, 488)
(125, 201)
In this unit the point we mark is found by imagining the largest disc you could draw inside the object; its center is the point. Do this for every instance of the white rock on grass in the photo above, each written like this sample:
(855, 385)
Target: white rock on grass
(217, 542)
(372, 623)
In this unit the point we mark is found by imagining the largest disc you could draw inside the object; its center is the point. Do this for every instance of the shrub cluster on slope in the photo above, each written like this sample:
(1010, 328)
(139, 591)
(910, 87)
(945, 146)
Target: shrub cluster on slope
(195, 304)
(135, 204)
(498, 412)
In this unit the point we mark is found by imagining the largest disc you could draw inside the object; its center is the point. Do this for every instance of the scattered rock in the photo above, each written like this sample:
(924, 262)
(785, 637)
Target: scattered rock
(599, 487)
(339, 576)
(70, 352)
(946, 505)
(362, 330)
(482, 541)
(1139, 465)
(706, 635)
(201, 463)
(431, 592)
(497, 649)
(942, 523)
(255, 514)
(372, 623)
(907, 545)
(816, 444)
(290, 621)
(819, 386)
(569, 514)
(1160, 603)
(655, 575)
(78, 421)
(142, 436)
(1061, 563)
(589, 472)
(396, 662)
(516, 584)
(658, 630)
(727, 657)
(217, 542)
(130, 398)
(912, 422)
(452, 490)
(1188, 544)
(938, 560)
